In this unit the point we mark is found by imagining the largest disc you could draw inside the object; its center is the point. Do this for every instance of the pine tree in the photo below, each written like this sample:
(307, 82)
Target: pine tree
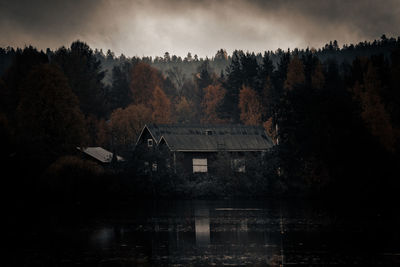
(49, 117)
(85, 76)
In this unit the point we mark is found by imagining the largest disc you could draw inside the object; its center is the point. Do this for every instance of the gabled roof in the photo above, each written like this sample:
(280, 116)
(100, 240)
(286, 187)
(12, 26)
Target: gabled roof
(100, 154)
(195, 137)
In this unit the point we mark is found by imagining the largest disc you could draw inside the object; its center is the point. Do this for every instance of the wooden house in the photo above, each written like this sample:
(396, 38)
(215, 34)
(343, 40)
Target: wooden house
(195, 148)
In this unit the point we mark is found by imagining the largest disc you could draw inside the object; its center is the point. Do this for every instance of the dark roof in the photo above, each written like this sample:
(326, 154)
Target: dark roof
(215, 143)
(159, 130)
(200, 137)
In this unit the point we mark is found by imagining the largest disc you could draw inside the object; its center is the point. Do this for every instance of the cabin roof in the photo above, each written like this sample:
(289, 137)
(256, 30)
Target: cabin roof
(159, 130)
(209, 143)
(100, 154)
(203, 137)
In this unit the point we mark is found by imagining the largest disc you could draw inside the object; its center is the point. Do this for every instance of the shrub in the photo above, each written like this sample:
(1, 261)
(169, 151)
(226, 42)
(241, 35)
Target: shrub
(73, 180)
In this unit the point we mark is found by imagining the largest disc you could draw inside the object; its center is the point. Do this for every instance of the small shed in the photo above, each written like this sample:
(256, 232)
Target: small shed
(100, 155)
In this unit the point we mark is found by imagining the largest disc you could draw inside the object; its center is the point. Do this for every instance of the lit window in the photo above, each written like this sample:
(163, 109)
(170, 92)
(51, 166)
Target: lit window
(199, 165)
(150, 142)
(154, 167)
(238, 165)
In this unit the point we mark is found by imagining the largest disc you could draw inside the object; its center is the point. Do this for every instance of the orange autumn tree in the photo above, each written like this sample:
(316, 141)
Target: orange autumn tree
(144, 80)
(161, 106)
(250, 106)
(295, 74)
(97, 129)
(184, 111)
(317, 78)
(374, 113)
(102, 136)
(213, 96)
(271, 130)
(126, 124)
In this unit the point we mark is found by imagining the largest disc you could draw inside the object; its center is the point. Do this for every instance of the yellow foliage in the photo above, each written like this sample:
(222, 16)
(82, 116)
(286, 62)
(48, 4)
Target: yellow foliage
(144, 80)
(295, 74)
(373, 112)
(213, 96)
(318, 79)
(270, 129)
(184, 111)
(161, 106)
(250, 106)
(98, 132)
(126, 124)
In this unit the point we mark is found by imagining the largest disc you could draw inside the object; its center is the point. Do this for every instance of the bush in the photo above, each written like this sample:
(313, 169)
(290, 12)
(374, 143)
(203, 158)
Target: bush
(72, 180)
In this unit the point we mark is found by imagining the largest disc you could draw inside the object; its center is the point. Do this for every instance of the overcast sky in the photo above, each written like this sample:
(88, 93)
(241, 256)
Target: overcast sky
(150, 28)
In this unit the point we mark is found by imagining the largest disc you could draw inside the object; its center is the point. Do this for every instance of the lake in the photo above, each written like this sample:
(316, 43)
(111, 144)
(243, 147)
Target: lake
(205, 233)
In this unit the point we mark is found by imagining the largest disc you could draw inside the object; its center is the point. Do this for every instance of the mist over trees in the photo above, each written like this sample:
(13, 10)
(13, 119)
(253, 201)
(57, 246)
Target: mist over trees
(335, 112)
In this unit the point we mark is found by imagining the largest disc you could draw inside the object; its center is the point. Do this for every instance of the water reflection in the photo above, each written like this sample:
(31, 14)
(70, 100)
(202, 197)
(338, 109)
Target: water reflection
(223, 233)
(103, 237)
(202, 226)
(197, 234)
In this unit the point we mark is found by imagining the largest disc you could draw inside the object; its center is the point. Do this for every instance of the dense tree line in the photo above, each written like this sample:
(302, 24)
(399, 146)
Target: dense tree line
(333, 111)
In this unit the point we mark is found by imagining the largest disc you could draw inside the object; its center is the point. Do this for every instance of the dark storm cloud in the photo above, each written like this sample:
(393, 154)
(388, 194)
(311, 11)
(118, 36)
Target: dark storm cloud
(48, 17)
(365, 18)
(45, 23)
(200, 26)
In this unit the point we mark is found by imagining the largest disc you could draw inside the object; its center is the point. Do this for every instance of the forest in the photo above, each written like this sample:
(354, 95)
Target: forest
(334, 113)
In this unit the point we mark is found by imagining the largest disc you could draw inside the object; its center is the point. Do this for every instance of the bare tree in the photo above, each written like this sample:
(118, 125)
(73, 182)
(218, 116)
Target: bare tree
(177, 77)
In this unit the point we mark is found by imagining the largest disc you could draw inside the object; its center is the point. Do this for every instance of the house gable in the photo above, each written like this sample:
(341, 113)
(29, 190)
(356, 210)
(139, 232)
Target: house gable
(146, 138)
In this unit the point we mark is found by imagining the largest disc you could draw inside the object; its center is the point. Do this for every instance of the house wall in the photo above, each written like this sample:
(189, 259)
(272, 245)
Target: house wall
(182, 162)
(217, 162)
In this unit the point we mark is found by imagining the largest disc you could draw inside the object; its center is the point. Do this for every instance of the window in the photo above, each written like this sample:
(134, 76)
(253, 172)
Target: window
(154, 167)
(209, 132)
(150, 142)
(199, 165)
(239, 165)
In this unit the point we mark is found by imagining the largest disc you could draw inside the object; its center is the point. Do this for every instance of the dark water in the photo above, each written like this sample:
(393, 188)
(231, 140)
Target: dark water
(203, 233)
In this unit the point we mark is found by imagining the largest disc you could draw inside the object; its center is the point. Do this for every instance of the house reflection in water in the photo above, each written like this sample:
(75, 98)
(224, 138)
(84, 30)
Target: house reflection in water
(202, 226)
(187, 234)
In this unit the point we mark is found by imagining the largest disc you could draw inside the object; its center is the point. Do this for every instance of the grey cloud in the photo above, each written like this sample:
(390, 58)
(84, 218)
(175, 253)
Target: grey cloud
(44, 23)
(200, 26)
(366, 18)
